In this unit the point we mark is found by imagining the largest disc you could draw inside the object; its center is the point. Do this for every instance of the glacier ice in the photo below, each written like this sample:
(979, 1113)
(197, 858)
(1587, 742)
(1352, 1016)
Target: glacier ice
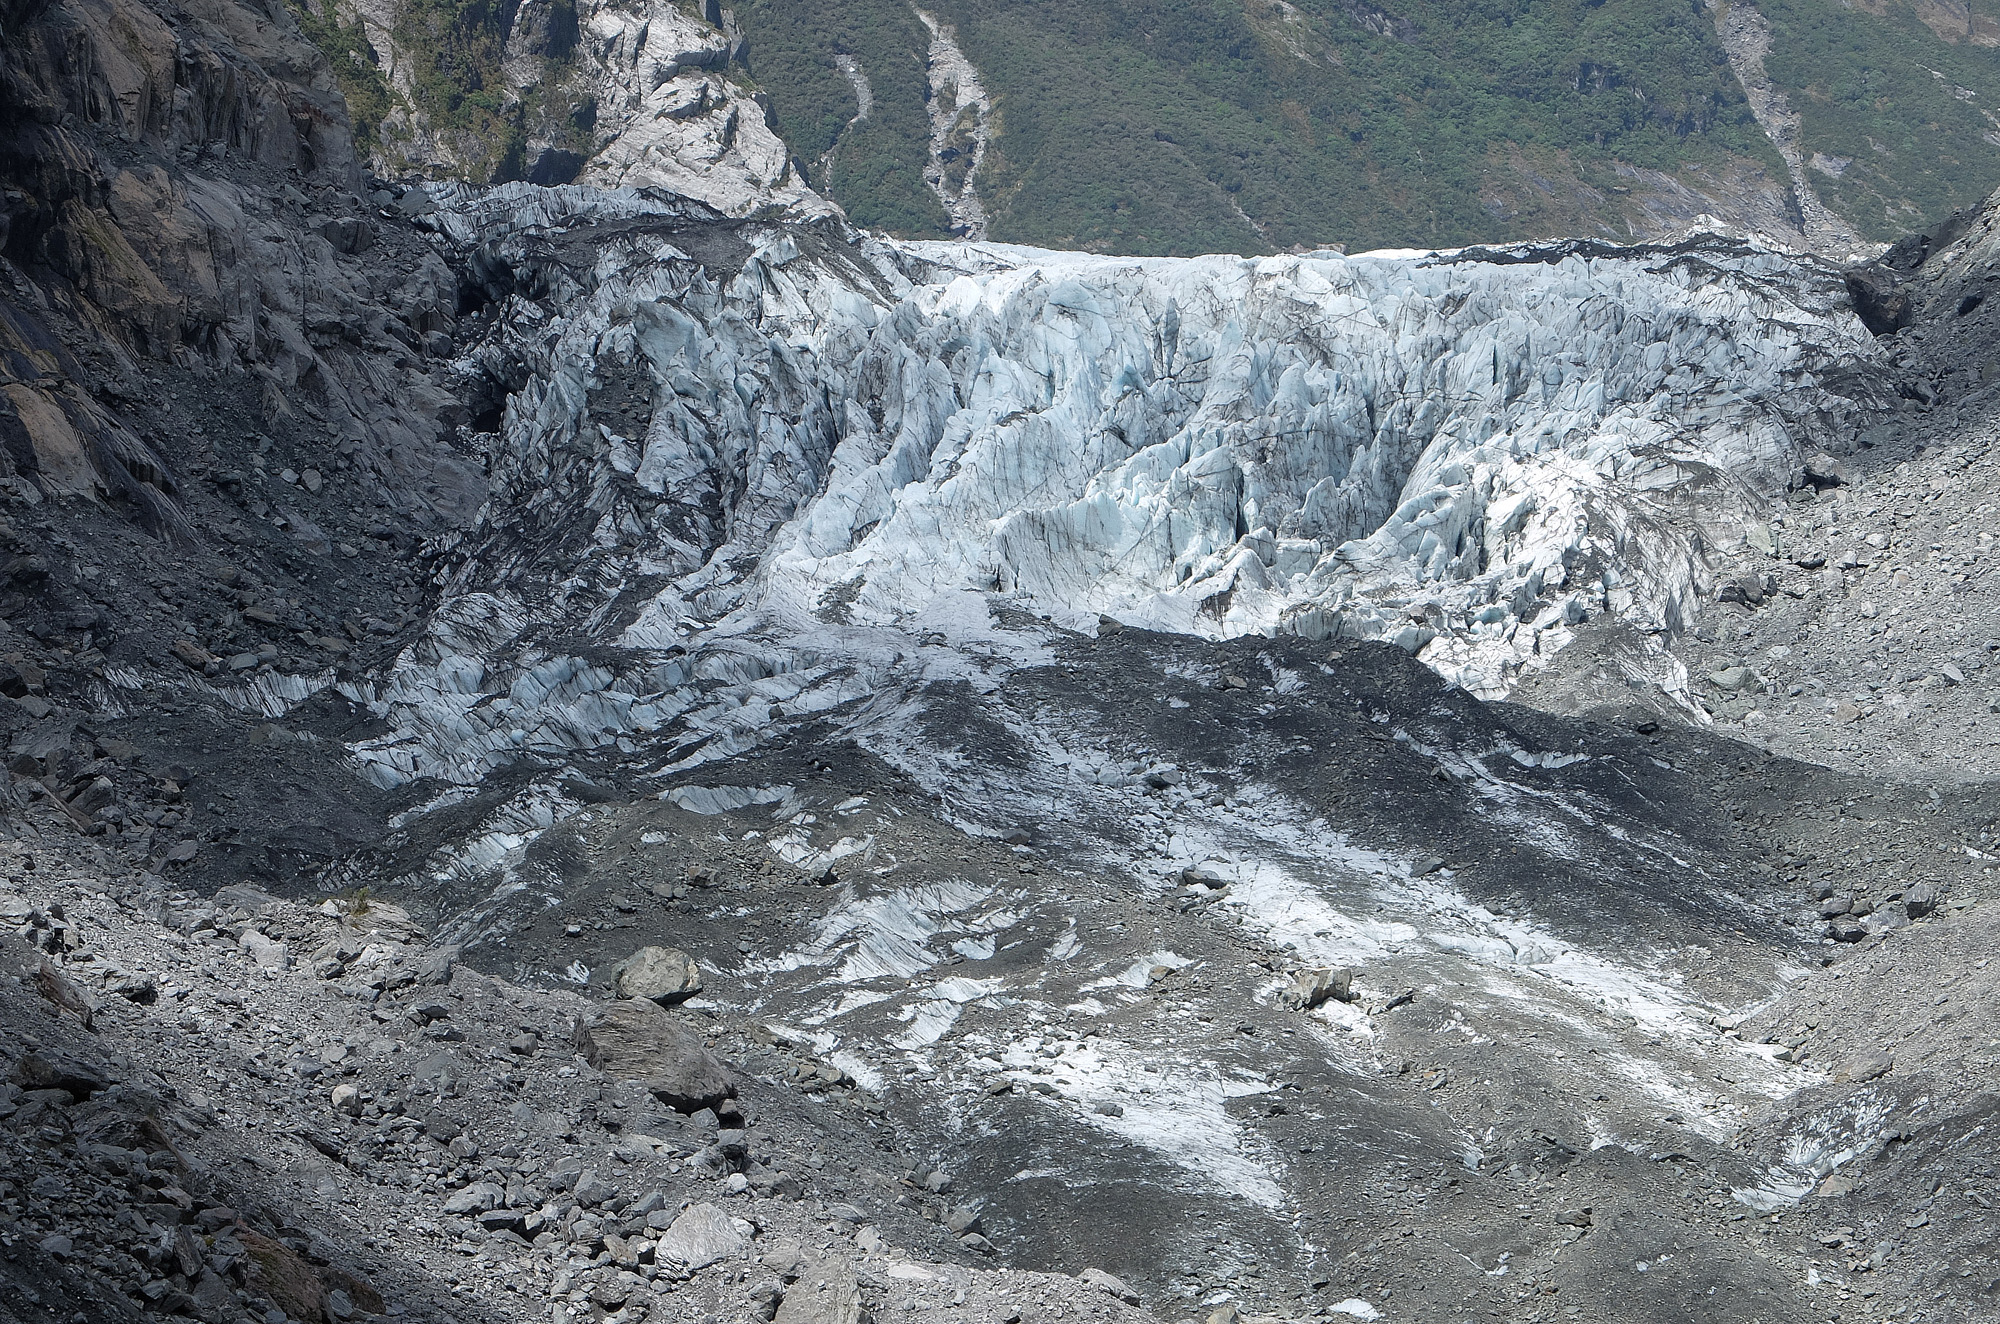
(852, 447)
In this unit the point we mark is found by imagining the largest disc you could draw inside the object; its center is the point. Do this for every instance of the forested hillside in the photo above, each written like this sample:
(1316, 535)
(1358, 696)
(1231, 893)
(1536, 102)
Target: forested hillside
(1172, 126)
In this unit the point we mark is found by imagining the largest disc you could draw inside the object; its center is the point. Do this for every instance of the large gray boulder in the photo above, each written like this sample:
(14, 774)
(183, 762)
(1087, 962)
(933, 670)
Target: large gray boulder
(665, 975)
(702, 1235)
(1310, 988)
(827, 1292)
(635, 1039)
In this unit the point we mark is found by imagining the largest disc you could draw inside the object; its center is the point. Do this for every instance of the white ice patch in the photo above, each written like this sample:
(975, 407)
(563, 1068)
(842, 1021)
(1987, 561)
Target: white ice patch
(1140, 973)
(1178, 1109)
(929, 1021)
(1818, 1144)
(1291, 910)
(1295, 911)
(493, 852)
(960, 989)
(856, 998)
(881, 936)
(272, 694)
(797, 850)
(864, 1073)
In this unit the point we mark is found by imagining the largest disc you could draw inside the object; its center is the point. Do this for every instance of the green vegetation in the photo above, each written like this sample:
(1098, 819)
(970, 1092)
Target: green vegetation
(1334, 122)
(1184, 125)
(1904, 112)
(1177, 126)
(874, 167)
(355, 68)
(1174, 126)
(455, 49)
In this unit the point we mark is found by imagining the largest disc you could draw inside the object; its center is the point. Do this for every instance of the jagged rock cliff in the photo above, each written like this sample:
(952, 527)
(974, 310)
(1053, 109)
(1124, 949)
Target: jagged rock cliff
(180, 196)
(645, 93)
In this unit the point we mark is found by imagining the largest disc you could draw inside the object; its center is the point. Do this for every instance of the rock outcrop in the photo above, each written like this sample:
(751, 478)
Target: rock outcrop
(181, 193)
(619, 93)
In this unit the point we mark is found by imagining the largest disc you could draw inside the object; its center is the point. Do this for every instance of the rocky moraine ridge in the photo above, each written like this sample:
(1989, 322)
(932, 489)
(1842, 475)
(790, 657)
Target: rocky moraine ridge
(629, 751)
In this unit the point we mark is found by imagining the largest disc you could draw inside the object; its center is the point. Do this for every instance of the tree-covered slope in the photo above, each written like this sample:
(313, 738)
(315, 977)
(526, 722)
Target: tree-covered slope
(1899, 107)
(1188, 125)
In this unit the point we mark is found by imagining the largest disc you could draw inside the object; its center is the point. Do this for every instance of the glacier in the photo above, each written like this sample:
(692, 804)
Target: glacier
(829, 445)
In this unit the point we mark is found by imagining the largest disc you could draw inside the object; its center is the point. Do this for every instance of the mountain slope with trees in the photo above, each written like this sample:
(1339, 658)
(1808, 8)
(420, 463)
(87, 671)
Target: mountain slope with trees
(1147, 127)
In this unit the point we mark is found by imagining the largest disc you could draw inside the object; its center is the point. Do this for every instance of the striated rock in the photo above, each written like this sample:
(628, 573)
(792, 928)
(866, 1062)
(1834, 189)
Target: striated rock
(636, 1040)
(701, 1235)
(64, 992)
(665, 975)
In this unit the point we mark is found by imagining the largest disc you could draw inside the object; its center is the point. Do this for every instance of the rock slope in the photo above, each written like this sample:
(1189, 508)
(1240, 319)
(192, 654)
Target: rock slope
(238, 1108)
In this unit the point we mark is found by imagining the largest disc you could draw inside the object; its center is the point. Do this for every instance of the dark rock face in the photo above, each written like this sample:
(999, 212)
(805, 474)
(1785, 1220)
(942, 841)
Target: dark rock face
(227, 420)
(181, 197)
(1880, 300)
(1929, 291)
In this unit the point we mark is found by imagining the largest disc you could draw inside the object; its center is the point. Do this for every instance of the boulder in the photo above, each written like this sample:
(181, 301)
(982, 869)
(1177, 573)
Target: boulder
(476, 1198)
(1823, 471)
(1864, 1066)
(266, 951)
(1731, 678)
(1920, 900)
(665, 975)
(1106, 1283)
(635, 1039)
(826, 1292)
(592, 1190)
(1309, 988)
(702, 1235)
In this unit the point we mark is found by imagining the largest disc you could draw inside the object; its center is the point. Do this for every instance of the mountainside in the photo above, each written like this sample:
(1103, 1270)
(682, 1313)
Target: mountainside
(1224, 126)
(629, 750)
(1255, 126)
